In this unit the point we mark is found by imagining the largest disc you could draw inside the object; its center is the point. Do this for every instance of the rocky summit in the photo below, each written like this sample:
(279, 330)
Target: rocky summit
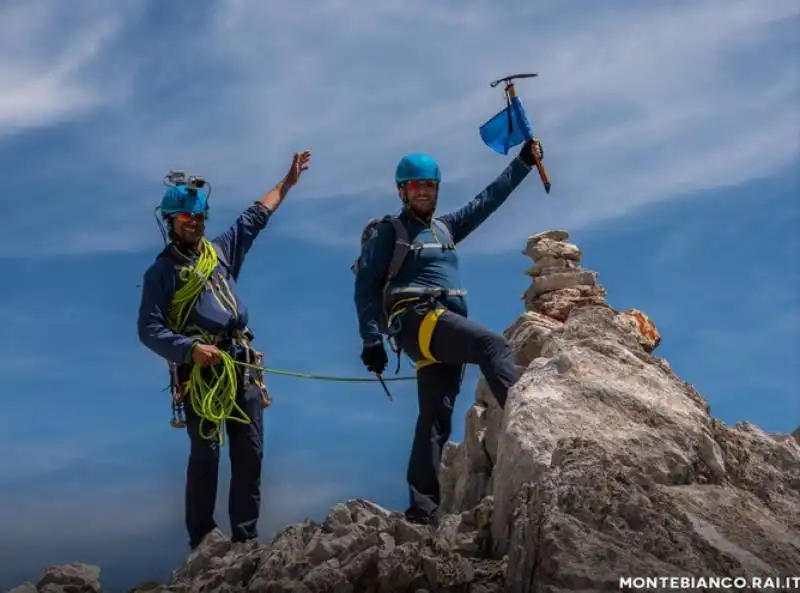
(605, 464)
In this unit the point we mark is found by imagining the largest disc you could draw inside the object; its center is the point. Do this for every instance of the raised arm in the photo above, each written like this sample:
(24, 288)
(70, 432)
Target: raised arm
(469, 217)
(465, 220)
(152, 321)
(370, 278)
(238, 239)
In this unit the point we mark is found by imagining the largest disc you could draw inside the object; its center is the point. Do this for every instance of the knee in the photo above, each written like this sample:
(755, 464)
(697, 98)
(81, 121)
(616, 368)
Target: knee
(248, 452)
(440, 431)
(204, 453)
(495, 346)
(425, 422)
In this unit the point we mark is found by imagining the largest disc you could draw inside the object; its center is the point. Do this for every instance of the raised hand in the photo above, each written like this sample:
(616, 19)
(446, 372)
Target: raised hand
(300, 161)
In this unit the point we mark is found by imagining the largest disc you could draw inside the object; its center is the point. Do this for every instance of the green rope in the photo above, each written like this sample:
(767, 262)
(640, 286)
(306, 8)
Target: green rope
(214, 400)
(194, 279)
(273, 371)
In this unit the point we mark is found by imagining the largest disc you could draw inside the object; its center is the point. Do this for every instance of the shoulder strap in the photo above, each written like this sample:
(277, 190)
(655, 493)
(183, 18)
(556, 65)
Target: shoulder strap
(440, 224)
(401, 246)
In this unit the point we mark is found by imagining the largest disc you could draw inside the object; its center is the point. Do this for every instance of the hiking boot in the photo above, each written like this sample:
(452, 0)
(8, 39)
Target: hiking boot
(419, 517)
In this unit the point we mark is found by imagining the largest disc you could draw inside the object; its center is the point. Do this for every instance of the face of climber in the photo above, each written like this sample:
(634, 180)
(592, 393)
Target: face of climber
(420, 196)
(189, 228)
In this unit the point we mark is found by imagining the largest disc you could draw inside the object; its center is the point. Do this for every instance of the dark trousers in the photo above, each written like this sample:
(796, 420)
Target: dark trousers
(245, 444)
(456, 341)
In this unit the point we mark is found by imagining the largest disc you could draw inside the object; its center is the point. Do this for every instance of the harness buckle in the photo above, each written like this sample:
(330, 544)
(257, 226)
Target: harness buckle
(256, 376)
(178, 393)
(178, 419)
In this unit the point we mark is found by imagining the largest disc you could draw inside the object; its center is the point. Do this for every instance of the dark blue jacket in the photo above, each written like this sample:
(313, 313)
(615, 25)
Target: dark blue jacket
(431, 268)
(215, 311)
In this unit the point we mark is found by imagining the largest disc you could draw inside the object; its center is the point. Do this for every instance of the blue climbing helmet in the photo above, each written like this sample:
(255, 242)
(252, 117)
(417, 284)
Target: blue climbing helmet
(183, 199)
(184, 194)
(417, 166)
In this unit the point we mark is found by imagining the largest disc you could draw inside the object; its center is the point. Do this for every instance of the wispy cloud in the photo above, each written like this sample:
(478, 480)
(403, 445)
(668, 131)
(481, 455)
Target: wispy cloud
(635, 103)
(50, 72)
(34, 460)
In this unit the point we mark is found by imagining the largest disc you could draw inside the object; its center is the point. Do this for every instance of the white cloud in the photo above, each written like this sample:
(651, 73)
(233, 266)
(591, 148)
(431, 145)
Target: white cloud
(29, 461)
(636, 104)
(47, 46)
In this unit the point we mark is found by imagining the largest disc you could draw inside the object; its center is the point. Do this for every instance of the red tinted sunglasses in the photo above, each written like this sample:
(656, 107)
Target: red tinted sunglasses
(420, 183)
(186, 216)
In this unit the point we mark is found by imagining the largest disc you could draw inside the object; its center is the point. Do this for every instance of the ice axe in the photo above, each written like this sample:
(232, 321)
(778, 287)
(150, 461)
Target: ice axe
(510, 127)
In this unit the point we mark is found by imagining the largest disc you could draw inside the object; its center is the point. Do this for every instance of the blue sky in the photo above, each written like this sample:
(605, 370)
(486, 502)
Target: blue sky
(670, 131)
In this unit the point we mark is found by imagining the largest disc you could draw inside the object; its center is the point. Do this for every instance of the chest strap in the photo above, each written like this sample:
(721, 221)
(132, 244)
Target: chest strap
(441, 246)
(426, 291)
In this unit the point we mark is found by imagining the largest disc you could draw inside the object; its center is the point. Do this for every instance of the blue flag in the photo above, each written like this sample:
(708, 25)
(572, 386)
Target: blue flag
(507, 129)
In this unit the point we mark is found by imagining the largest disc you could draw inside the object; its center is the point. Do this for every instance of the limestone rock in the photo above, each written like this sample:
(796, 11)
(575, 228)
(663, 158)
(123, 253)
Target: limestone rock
(75, 577)
(527, 335)
(559, 284)
(609, 464)
(551, 265)
(562, 280)
(641, 326)
(559, 303)
(26, 587)
(359, 547)
(546, 247)
(554, 234)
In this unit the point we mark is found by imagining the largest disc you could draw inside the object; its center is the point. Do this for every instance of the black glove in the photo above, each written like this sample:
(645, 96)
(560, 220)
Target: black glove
(374, 357)
(526, 152)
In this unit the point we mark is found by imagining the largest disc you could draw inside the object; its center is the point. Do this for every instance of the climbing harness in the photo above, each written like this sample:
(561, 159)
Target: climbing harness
(426, 332)
(426, 304)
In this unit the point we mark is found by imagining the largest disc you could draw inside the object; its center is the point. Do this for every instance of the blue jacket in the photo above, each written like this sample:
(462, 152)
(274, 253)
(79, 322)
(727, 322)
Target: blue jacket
(214, 311)
(431, 268)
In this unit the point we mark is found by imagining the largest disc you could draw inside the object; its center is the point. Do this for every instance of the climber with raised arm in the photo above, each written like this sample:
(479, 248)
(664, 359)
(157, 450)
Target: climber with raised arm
(192, 315)
(407, 287)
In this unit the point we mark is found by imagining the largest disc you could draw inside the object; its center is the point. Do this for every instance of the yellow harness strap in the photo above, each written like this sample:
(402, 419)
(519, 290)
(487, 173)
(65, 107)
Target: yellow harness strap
(425, 335)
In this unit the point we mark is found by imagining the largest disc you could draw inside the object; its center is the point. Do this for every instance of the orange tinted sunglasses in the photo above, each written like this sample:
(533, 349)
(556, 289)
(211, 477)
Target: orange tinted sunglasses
(187, 216)
(420, 183)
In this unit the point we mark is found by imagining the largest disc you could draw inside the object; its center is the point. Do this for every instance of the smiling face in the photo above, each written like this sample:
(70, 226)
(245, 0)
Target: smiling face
(420, 195)
(189, 228)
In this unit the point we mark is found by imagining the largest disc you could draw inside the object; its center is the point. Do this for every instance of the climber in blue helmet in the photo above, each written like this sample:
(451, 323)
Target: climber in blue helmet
(214, 321)
(417, 300)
